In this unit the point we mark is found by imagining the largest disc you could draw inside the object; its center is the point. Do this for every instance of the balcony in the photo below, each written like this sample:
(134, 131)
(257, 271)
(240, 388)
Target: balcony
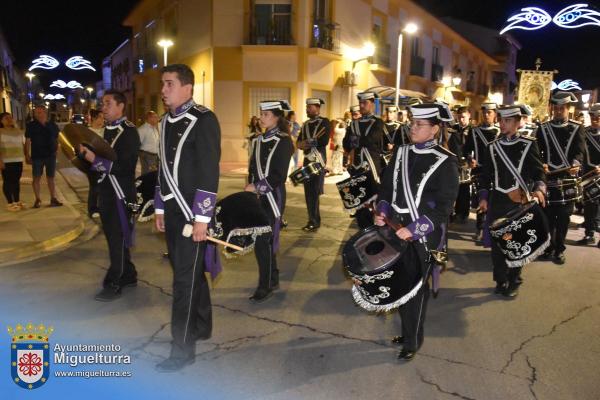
(437, 72)
(417, 66)
(326, 35)
(276, 32)
(382, 55)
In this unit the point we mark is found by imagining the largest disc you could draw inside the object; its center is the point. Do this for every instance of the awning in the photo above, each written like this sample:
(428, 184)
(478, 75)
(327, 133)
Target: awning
(389, 93)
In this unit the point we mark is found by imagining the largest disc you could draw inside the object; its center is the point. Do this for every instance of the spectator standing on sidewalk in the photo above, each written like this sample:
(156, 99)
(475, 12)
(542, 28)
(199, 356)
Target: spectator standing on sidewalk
(149, 134)
(11, 161)
(40, 151)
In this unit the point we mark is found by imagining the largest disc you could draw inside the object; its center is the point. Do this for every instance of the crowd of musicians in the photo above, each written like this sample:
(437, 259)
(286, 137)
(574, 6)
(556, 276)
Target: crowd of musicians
(411, 174)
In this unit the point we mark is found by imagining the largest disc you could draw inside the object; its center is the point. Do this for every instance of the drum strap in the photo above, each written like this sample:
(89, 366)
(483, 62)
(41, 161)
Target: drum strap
(308, 135)
(408, 196)
(593, 141)
(547, 129)
(366, 156)
(479, 134)
(511, 167)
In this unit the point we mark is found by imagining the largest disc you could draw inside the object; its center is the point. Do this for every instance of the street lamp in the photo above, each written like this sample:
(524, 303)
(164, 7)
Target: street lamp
(41, 94)
(365, 53)
(165, 44)
(30, 76)
(89, 90)
(409, 29)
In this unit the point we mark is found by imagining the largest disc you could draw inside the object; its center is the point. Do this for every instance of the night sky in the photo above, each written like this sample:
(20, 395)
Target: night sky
(64, 28)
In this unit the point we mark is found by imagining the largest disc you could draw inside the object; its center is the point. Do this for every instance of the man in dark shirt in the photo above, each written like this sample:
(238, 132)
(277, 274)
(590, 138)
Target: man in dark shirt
(40, 151)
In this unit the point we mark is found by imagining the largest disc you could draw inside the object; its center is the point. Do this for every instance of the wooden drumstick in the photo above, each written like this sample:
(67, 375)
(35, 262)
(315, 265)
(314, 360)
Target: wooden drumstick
(224, 243)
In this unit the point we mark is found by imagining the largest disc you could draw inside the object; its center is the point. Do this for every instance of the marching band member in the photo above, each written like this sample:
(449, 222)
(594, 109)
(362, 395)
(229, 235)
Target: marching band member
(184, 203)
(456, 143)
(116, 190)
(474, 150)
(527, 127)
(313, 139)
(395, 132)
(418, 193)
(511, 162)
(267, 173)
(365, 137)
(592, 163)
(562, 148)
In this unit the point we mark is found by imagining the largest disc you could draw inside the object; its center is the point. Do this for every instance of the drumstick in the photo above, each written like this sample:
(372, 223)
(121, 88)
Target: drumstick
(387, 221)
(226, 244)
(558, 171)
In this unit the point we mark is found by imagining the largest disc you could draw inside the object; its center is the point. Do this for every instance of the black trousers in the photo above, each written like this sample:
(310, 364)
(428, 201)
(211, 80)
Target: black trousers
(590, 213)
(412, 314)
(502, 272)
(121, 268)
(93, 192)
(191, 314)
(463, 201)
(559, 217)
(11, 174)
(312, 191)
(268, 274)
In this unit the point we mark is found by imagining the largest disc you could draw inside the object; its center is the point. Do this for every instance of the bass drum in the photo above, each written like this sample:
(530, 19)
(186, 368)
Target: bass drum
(145, 186)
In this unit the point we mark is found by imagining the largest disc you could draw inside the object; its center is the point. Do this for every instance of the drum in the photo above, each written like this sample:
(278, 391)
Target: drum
(522, 234)
(464, 175)
(239, 219)
(591, 189)
(358, 190)
(374, 257)
(564, 191)
(305, 173)
(145, 186)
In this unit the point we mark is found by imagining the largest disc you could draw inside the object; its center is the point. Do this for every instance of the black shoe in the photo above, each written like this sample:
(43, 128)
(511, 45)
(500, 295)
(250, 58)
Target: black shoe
(275, 286)
(559, 258)
(500, 287)
(598, 245)
(585, 241)
(109, 293)
(310, 228)
(512, 290)
(546, 256)
(55, 203)
(284, 223)
(173, 364)
(261, 295)
(406, 355)
(166, 254)
(398, 339)
(519, 280)
(131, 282)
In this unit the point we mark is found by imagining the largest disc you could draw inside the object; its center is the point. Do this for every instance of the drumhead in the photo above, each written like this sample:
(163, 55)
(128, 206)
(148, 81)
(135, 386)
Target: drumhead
(512, 214)
(372, 250)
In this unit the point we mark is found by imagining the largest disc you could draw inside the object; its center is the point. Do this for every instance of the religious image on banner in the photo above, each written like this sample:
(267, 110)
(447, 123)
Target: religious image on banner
(535, 88)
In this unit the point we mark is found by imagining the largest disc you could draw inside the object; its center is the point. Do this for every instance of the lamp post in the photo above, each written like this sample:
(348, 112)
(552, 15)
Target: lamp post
(410, 28)
(165, 44)
(30, 76)
(89, 90)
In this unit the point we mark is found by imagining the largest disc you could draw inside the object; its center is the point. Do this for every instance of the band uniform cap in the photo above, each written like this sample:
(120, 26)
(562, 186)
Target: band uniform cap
(489, 106)
(413, 101)
(354, 108)
(595, 110)
(509, 111)
(526, 110)
(562, 97)
(439, 111)
(367, 96)
(283, 105)
(315, 101)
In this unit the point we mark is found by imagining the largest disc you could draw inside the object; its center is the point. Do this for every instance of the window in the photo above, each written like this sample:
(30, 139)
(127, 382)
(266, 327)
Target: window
(321, 10)
(265, 93)
(272, 23)
(415, 50)
(435, 59)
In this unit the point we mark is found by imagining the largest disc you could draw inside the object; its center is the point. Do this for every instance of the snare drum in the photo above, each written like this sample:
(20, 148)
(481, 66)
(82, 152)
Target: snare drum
(305, 173)
(522, 234)
(564, 191)
(357, 190)
(374, 258)
(591, 189)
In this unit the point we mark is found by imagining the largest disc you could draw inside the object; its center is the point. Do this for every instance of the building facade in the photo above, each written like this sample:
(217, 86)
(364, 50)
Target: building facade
(13, 85)
(245, 51)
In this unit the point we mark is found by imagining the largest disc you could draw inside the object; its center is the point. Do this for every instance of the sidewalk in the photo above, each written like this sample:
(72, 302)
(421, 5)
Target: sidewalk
(33, 233)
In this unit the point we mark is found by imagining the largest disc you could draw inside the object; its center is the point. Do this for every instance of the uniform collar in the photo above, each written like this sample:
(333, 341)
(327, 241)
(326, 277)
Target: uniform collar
(315, 118)
(426, 145)
(514, 137)
(559, 122)
(365, 117)
(116, 122)
(270, 133)
(183, 108)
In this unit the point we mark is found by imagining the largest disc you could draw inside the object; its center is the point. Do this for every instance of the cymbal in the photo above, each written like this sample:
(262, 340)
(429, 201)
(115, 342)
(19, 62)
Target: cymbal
(76, 134)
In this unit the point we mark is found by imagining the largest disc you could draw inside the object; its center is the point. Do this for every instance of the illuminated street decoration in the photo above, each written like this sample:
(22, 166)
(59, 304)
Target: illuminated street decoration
(533, 18)
(62, 84)
(567, 84)
(54, 97)
(576, 16)
(74, 85)
(44, 62)
(78, 62)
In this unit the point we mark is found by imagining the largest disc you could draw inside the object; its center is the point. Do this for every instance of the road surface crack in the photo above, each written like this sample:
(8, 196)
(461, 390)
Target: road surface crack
(439, 388)
(533, 378)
